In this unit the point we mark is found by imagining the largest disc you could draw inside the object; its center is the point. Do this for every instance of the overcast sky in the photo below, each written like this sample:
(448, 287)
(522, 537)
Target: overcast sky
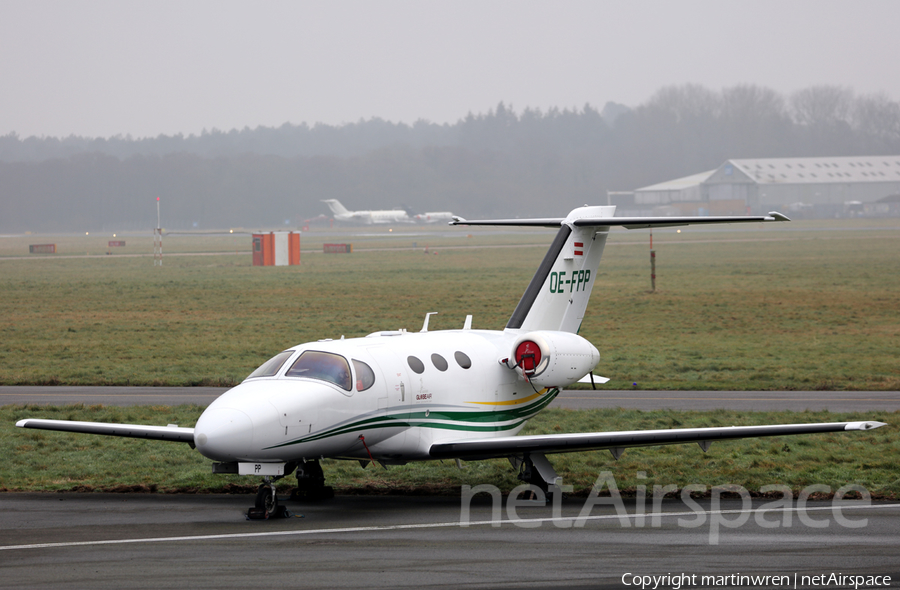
(97, 68)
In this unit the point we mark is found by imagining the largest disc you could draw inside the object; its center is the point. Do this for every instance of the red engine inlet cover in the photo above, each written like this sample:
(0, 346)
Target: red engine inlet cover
(528, 356)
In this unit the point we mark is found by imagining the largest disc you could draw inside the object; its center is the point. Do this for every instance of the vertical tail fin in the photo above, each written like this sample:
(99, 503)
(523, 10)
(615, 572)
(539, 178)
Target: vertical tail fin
(559, 292)
(336, 206)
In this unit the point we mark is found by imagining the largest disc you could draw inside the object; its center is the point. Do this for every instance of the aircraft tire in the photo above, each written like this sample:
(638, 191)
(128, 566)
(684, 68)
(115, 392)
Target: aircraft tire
(265, 499)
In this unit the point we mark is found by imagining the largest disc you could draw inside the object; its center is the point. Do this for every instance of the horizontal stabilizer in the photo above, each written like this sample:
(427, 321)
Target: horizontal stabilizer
(542, 222)
(626, 222)
(648, 222)
(558, 295)
(593, 379)
(590, 441)
(170, 433)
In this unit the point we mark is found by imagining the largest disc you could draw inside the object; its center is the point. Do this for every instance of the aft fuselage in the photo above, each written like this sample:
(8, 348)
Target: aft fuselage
(434, 217)
(374, 217)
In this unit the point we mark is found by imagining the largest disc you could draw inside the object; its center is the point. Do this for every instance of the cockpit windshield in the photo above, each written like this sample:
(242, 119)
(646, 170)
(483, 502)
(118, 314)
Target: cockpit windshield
(271, 366)
(325, 366)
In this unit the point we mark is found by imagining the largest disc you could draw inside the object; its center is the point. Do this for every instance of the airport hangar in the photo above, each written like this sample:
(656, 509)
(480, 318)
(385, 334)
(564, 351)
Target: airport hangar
(864, 186)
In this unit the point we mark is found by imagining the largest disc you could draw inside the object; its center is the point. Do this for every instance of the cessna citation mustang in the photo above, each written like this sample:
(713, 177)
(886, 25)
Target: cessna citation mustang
(395, 397)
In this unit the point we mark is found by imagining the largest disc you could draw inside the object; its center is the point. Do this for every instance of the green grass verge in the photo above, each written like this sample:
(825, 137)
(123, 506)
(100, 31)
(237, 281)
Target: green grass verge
(795, 306)
(54, 461)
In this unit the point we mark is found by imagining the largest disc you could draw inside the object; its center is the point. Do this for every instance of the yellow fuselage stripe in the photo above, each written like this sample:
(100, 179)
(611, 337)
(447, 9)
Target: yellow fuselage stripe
(513, 402)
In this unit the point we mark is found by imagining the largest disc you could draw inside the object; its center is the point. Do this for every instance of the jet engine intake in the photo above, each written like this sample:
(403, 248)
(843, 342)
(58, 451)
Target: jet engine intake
(553, 359)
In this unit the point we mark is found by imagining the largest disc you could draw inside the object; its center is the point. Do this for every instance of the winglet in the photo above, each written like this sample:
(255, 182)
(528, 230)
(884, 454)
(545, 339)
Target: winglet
(776, 216)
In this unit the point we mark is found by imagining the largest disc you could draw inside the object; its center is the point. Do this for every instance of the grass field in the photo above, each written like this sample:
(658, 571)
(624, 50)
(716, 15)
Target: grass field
(776, 307)
(51, 461)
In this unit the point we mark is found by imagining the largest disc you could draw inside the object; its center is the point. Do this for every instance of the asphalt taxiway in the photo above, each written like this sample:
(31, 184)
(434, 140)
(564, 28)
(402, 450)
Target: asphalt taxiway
(181, 541)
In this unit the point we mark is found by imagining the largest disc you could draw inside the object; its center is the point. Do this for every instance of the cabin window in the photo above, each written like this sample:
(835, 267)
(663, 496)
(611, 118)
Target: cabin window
(271, 366)
(462, 359)
(324, 366)
(415, 364)
(365, 376)
(440, 363)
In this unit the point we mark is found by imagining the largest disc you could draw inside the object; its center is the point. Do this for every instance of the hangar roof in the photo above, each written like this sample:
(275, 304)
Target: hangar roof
(817, 170)
(679, 183)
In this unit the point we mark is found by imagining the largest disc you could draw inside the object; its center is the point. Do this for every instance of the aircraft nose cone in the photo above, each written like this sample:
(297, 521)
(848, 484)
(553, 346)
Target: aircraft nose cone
(224, 434)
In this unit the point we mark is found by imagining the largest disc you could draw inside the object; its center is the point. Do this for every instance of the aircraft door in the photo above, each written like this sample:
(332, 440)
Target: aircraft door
(258, 255)
(396, 390)
(395, 403)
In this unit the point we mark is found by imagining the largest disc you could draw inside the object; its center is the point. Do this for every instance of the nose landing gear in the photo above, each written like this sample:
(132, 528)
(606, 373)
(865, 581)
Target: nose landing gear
(310, 487)
(267, 505)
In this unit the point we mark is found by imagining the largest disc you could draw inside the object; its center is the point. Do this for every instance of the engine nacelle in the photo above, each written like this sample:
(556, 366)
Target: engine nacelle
(553, 359)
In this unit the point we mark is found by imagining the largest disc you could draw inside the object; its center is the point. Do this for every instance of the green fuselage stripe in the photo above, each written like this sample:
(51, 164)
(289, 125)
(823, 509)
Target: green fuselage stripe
(500, 420)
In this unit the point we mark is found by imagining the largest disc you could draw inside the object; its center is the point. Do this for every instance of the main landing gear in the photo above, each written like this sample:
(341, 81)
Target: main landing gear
(535, 469)
(311, 483)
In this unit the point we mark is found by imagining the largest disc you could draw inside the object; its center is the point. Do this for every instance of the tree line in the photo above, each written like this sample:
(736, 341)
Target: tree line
(500, 163)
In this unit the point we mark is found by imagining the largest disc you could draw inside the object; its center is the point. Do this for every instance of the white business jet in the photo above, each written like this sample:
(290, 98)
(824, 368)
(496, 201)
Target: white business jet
(434, 217)
(341, 213)
(397, 396)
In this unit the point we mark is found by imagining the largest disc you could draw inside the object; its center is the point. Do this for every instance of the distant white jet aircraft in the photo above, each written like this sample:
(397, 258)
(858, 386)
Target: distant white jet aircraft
(341, 213)
(393, 397)
(434, 217)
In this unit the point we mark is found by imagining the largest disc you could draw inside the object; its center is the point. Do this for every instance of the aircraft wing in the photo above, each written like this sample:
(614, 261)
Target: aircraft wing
(506, 446)
(170, 433)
